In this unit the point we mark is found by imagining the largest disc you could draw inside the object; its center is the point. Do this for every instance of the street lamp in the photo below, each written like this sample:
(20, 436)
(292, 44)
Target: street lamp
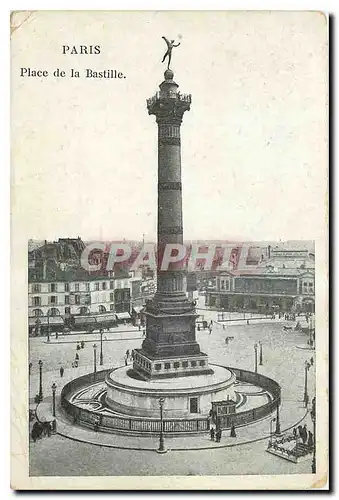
(311, 327)
(101, 354)
(40, 396)
(95, 358)
(277, 426)
(255, 358)
(161, 448)
(48, 329)
(313, 417)
(307, 367)
(271, 430)
(54, 386)
(260, 353)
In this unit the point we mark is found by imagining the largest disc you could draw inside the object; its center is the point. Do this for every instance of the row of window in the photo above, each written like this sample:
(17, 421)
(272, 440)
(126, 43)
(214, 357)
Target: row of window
(224, 285)
(262, 285)
(82, 311)
(308, 286)
(67, 287)
(53, 299)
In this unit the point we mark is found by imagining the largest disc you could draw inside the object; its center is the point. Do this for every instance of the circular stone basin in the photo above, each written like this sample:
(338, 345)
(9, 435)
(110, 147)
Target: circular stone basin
(184, 396)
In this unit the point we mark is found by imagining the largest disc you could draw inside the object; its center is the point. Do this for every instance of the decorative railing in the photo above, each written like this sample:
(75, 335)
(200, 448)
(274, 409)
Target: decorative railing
(248, 416)
(91, 419)
(187, 98)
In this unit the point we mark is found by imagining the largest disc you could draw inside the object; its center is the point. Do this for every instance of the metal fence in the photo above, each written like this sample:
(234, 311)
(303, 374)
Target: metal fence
(170, 426)
(248, 416)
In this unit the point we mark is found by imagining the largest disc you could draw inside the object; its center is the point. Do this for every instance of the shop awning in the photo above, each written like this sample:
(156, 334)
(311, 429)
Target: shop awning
(43, 320)
(106, 317)
(80, 320)
(123, 315)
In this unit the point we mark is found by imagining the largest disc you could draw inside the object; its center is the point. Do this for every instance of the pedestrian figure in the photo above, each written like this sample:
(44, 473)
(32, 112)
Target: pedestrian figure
(198, 328)
(127, 353)
(144, 333)
(223, 327)
(226, 340)
(37, 431)
(218, 435)
(56, 335)
(310, 442)
(96, 425)
(82, 344)
(77, 357)
(300, 430)
(76, 364)
(139, 328)
(61, 372)
(248, 321)
(78, 347)
(295, 433)
(233, 434)
(47, 429)
(125, 360)
(304, 434)
(212, 433)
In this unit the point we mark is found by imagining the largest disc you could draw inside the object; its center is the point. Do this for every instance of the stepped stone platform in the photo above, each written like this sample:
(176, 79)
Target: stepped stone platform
(185, 397)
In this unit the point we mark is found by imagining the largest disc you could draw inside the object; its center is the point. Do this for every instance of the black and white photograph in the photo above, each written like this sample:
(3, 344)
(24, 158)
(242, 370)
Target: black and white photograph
(169, 272)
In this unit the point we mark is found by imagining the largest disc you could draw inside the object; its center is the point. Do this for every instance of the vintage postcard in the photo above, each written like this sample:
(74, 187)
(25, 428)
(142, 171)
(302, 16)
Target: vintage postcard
(169, 250)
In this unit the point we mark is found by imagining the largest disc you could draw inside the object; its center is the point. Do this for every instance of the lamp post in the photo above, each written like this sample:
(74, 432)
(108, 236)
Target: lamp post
(161, 448)
(313, 417)
(54, 386)
(271, 430)
(277, 426)
(95, 358)
(307, 367)
(101, 354)
(311, 327)
(260, 353)
(48, 330)
(41, 396)
(256, 358)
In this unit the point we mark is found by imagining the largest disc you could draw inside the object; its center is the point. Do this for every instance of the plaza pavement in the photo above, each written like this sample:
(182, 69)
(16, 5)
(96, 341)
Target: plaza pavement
(282, 361)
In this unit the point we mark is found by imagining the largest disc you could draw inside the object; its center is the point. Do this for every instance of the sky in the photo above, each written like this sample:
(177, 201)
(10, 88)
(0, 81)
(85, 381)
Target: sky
(254, 144)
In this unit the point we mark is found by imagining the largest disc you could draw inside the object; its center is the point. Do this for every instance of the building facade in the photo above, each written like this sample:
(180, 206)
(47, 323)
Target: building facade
(285, 282)
(71, 303)
(62, 295)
